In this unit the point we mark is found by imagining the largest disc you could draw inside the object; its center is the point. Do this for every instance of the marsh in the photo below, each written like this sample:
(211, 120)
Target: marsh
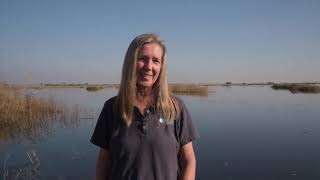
(247, 132)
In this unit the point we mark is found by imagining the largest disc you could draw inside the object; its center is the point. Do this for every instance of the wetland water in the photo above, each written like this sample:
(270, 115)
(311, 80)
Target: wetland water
(249, 132)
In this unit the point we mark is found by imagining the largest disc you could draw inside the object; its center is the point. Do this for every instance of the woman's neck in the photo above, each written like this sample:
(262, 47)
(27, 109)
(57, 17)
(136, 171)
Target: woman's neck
(144, 98)
(143, 93)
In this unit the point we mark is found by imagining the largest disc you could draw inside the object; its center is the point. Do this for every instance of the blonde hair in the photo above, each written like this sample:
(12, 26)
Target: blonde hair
(163, 100)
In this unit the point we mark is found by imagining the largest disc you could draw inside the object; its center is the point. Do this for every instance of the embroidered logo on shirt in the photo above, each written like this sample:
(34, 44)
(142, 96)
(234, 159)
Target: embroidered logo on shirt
(161, 120)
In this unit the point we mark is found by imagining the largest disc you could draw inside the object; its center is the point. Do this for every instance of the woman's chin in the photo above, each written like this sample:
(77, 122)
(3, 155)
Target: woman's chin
(145, 84)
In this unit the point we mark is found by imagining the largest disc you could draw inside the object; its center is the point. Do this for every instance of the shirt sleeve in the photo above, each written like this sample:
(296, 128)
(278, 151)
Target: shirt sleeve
(102, 132)
(187, 131)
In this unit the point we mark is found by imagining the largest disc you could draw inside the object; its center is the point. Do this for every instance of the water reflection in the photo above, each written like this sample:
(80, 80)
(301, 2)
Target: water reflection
(257, 133)
(27, 170)
(35, 128)
(199, 94)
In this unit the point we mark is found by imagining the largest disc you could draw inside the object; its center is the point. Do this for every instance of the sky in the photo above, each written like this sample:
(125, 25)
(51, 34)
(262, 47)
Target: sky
(66, 41)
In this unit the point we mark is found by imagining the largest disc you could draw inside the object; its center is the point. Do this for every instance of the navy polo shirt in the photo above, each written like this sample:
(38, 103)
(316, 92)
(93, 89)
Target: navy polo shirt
(148, 149)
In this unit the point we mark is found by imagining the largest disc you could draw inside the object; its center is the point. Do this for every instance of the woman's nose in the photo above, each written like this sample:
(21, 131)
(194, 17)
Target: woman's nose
(148, 64)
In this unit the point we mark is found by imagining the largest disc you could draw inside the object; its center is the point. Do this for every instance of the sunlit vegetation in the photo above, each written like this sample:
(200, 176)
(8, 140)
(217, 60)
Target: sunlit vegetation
(189, 89)
(297, 88)
(75, 85)
(94, 88)
(27, 116)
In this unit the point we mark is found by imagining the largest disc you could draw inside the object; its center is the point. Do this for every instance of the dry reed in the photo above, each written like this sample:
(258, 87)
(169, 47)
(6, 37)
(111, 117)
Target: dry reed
(189, 89)
(94, 88)
(24, 115)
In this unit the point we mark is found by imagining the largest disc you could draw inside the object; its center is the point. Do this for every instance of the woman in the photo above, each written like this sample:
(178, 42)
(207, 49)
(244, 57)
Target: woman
(145, 132)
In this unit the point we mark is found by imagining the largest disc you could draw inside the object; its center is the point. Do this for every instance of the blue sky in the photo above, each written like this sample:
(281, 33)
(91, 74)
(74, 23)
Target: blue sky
(55, 41)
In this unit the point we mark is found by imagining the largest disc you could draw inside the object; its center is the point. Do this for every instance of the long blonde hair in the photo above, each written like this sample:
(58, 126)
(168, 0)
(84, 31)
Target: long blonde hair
(164, 102)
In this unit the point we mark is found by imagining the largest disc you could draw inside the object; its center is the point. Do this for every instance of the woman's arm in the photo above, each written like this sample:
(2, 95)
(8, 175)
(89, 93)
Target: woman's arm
(103, 165)
(187, 162)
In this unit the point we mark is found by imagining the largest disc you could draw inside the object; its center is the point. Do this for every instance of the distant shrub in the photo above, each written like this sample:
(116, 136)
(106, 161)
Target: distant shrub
(297, 88)
(94, 88)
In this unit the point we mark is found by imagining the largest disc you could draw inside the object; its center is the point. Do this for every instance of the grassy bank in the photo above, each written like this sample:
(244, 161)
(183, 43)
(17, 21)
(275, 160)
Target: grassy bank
(70, 85)
(94, 88)
(189, 89)
(297, 88)
(186, 89)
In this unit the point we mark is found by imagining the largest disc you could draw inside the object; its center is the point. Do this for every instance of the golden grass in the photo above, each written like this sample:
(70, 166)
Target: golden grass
(297, 88)
(94, 88)
(189, 89)
(23, 115)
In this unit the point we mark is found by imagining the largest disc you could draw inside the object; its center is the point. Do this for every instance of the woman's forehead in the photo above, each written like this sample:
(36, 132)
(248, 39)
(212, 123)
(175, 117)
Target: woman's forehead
(151, 48)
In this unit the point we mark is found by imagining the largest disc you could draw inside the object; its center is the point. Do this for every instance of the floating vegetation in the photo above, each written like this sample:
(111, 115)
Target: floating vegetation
(22, 115)
(94, 88)
(189, 89)
(297, 88)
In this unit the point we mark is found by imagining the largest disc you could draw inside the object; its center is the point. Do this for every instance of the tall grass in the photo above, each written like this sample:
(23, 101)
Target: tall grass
(94, 88)
(23, 115)
(189, 89)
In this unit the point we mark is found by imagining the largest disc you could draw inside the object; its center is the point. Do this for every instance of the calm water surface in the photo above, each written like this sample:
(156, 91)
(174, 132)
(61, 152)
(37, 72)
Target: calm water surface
(248, 133)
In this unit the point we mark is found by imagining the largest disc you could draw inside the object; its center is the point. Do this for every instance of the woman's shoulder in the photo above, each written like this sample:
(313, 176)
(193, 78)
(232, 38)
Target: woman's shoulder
(110, 102)
(109, 105)
(109, 110)
(179, 102)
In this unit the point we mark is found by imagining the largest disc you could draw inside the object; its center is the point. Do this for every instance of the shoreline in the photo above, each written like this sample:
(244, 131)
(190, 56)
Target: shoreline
(85, 85)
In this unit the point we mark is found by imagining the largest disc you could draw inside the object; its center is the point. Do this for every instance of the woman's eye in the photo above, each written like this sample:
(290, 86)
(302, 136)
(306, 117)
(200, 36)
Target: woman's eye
(156, 61)
(141, 59)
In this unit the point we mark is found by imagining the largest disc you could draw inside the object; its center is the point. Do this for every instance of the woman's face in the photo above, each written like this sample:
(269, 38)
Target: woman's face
(149, 65)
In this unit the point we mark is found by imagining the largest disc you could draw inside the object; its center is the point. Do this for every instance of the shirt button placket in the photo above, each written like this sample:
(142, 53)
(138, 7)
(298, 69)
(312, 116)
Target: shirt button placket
(145, 122)
(144, 125)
